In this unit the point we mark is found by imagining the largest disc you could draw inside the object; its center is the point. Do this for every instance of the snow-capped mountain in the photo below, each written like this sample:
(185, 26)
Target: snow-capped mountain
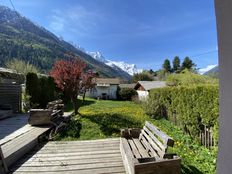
(129, 68)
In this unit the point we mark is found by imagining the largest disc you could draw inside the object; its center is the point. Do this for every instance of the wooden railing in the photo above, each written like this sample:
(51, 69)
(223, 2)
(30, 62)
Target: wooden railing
(207, 138)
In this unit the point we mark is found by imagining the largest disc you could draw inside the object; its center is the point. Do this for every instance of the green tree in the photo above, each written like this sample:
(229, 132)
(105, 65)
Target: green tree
(21, 67)
(167, 65)
(188, 64)
(143, 76)
(176, 64)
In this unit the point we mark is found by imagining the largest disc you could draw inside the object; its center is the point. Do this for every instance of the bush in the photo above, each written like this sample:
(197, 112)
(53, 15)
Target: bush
(188, 107)
(127, 93)
(187, 77)
(47, 90)
(41, 90)
(32, 87)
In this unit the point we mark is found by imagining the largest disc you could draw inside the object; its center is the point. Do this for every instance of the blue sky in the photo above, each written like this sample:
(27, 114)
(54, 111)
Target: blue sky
(144, 32)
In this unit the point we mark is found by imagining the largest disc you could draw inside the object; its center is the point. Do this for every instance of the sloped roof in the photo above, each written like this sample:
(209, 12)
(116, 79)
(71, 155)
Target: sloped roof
(132, 85)
(111, 81)
(148, 85)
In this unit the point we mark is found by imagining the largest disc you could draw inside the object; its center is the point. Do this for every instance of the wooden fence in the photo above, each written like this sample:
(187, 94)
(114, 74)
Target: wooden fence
(206, 137)
(11, 94)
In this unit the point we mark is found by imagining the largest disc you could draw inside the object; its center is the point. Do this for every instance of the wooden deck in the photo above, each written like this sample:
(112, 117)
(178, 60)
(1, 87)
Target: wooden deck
(17, 137)
(79, 157)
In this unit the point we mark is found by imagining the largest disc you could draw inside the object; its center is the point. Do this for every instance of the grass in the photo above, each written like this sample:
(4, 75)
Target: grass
(104, 119)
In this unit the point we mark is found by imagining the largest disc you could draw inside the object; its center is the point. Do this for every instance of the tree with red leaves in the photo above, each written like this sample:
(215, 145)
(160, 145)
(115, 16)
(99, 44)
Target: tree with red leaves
(69, 77)
(87, 82)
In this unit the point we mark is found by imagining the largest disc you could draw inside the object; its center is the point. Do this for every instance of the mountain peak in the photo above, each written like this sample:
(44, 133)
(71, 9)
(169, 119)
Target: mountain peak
(128, 68)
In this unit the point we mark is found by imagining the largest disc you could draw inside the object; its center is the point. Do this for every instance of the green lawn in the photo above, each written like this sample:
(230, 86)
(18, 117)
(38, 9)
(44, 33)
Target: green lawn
(105, 118)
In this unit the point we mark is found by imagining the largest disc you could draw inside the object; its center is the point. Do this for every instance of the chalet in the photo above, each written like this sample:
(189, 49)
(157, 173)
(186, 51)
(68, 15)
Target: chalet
(10, 91)
(143, 87)
(105, 88)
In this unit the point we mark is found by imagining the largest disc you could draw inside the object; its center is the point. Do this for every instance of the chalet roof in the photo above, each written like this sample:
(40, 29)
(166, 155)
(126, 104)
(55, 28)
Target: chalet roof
(148, 85)
(11, 74)
(111, 81)
(132, 85)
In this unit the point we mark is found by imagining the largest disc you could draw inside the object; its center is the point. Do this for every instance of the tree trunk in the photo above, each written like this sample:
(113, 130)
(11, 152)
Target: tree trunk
(83, 99)
(75, 105)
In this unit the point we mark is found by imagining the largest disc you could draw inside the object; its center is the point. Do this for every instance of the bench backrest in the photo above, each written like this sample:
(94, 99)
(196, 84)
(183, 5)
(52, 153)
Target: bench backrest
(154, 140)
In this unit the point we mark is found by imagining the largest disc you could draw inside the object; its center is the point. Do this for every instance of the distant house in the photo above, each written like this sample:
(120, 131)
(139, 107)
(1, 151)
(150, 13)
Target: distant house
(105, 88)
(10, 90)
(143, 87)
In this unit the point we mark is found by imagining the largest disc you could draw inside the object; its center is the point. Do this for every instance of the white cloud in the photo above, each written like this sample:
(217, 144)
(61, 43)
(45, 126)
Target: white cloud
(204, 70)
(76, 19)
(57, 23)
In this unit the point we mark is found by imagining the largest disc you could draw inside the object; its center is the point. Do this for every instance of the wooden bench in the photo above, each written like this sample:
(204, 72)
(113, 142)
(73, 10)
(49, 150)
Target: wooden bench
(3, 166)
(144, 151)
(50, 116)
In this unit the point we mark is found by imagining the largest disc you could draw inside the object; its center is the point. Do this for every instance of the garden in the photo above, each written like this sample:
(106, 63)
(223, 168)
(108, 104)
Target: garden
(98, 119)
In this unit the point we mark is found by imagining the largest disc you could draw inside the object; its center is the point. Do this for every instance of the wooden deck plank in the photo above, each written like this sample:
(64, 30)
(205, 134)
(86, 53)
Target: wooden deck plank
(69, 167)
(62, 158)
(77, 150)
(103, 170)
(69, 162)
(76, 153)
(86, 158)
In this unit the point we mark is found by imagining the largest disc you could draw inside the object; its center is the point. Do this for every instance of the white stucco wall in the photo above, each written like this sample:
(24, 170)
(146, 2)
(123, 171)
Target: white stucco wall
(111, 91)
(143, 95)
(224, 28)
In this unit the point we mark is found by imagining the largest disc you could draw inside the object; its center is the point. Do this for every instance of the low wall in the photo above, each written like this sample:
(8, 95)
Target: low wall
(11, 94)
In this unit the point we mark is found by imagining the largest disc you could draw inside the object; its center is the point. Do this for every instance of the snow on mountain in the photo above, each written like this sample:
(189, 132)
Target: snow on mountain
(129, 68)
(206, 69)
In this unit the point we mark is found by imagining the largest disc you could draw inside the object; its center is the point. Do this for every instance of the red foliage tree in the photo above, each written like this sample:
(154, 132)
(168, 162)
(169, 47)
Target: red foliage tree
(68, 77)
(87, 82)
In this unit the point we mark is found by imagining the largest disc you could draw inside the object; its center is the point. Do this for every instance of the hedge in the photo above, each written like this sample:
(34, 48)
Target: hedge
(41, 90)
(32, 87)
(127, 93)
(188, 107)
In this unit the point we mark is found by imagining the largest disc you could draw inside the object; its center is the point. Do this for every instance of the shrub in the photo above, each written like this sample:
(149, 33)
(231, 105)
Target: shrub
(187, 77)
(47, 90)
(127, 93)
(188, 107)
(32, 87)
(41, 90)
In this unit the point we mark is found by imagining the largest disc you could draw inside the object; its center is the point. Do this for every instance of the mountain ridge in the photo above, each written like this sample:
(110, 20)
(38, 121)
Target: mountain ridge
(129, 68)
(20, 38)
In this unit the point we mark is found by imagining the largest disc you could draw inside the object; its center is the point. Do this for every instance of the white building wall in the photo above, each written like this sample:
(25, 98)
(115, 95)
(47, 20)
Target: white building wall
(143, 95)
(110, 91)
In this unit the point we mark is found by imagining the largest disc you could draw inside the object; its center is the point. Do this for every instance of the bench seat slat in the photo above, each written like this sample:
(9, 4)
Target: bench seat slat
(142, 150)
(148, 147)
(134, 149)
